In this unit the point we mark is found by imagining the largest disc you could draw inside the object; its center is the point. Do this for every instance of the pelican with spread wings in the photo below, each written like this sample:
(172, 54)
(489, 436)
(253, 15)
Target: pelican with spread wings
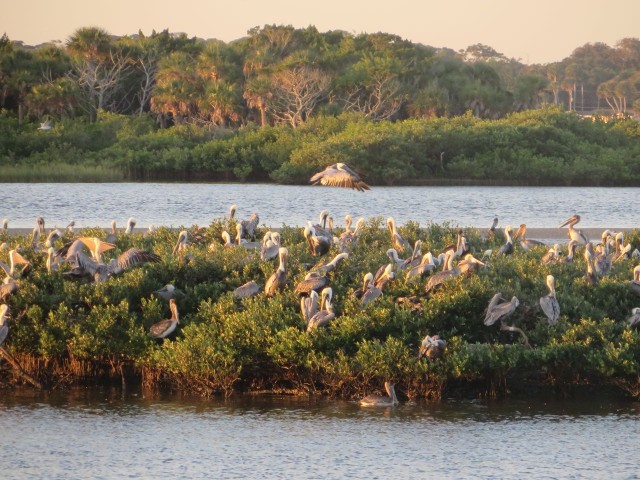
(340, 175)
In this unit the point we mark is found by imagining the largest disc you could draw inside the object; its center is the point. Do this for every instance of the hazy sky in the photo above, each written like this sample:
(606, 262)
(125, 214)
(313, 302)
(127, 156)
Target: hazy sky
(534, 31)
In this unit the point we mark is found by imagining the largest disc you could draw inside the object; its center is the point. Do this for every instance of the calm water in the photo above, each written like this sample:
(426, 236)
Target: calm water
(102, 435)
(175, 204)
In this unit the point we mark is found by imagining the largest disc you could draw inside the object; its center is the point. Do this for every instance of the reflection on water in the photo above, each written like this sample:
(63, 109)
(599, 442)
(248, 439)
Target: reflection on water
(99, 434)
(176, 204)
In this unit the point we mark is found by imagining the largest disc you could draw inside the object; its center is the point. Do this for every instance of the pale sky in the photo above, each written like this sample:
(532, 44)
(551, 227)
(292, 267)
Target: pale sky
(533, 31)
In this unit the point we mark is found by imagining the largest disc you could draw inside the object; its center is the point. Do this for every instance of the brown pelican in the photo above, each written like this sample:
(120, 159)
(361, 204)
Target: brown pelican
(8, 287)
(525, 243)
(40, 225)
(553, 255)
(371, 291)
(52, 237)
(415, 259)
(232, 211)
(131, 223)
(325, 314)
(131, 258)
(227, 239)
(312, 281)
(164, 328)
(52, 262)
(460, 248)
(492, 229)
(15, 259)
(97, 247)
(242, 242)
(635, 283)
(166, 292)
(571, 251)
(4, 328)
(507, 248)
(432, 347)
(278, 279)
(309, 306)
(549, 303)
(346, 240)
(468, 264)
(592, 275)
(249, 226)
(328, 267)
(383, 276)
(622, 251)
(249, 289)
(497, 311)
(69, 228)
(321, 226)
(270, 246)
(339, 175)
(182, 243)
(392, 253)
(318, 245)
(634, 319)
(381, 400)
(368, 279)
(5, 224)
(112, 236)
(574, 234)
(84, 265)
(445, 274)
(399, 243)
(426, 266)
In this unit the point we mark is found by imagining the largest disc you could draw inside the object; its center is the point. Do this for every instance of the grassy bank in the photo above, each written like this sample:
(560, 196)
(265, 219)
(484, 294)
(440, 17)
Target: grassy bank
(65, 331)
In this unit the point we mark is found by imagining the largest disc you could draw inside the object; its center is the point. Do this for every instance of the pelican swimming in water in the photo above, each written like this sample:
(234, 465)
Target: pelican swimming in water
(574, 234)
(325, 314)
(432, 347)
(399, 243)
(634, 319)
(390, 400)
(500, 310)
(339, 175)
(164, 328)
(309, 306)
(278, 279)
(4, 328)
(549, 303)
(249, 289)
(507, 248)
(526, 243)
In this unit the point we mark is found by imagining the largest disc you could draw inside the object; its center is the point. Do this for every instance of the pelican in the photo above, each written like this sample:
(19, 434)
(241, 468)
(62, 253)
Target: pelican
(635, 283)
(392, 253)
(35, 237)
(445, 274)
(468, 264)
(278, 279)
(346, 240)
(371, 291)
(368, 279)
(232, 211)
(166, 292)
(249, 289)
(4, 328)
(574, 234)
(549, 303)
(525, 243)
(399, 243)
(326, 313)
(15, 259)
(182, 243)
(383, 276)
(592, 275)
(131, 258)
(5, 224)
(242, 242)
(52, 237)
(227, 239)
(321, 226)
(40, 225)
(249, 226)
(507, 248)
(8, 287)
(309, 306)
(52, 262)
(380, 400)
(492, 229)
(84, 265)
(571, 251)
(634, 319)
(69, 228)
(46, 125)
(270, 246)
(328, 267)
(319, 245)
(131, 223)
(112, 236)
(426, 266)
(460, 248)
(97, 247)
(339, 175)
(164, 328)
(312, 281)
(432, 347)
(415, 259)
(553, 255)
(497, 311)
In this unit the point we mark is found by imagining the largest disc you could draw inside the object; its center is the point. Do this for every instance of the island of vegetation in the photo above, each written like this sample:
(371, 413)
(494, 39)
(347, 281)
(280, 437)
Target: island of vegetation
(282, 102)
(65, 329)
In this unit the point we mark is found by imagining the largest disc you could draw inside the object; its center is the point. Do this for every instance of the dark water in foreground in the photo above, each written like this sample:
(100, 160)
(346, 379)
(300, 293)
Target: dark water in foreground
(100, 434)
(181, 204)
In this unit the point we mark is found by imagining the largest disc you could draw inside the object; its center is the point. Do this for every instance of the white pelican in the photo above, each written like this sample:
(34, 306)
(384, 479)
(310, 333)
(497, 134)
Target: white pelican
(549, 303)
(339, 175)
(249, 289)
(381, 400)
(399, 243)
(4, 328)
(432, 347)
(525, 243)
(574, 234)
(164, 328)
(325, 314)
(634, 319)
(497, 311)
(278, 279)
(309, 306)
(507, 248)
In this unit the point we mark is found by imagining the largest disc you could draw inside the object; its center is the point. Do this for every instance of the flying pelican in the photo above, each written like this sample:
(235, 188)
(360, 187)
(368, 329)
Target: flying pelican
(497, 311)
(166, 292)
(318, 245)
(131, 223)
(164, 328)
(381, 400)
(4, 328)
(634, 319)
(249, 289)
(309, 306)
(399, 243)
(574, 234)
(426, 266)
(312, 281)
(549, 303)
(507, 248)
(326, 313)
(278, 279)
(339, 175)
(432, 347)
(328, 267)
(525, 243)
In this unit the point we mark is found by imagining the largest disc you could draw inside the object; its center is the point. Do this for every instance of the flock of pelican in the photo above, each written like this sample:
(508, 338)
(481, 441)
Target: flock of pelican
(83, 258)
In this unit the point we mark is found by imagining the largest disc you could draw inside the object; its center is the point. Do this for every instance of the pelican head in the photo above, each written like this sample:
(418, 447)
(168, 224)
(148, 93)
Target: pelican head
(131, 223)
(232, 211)
(40, 224)
(551, 282)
